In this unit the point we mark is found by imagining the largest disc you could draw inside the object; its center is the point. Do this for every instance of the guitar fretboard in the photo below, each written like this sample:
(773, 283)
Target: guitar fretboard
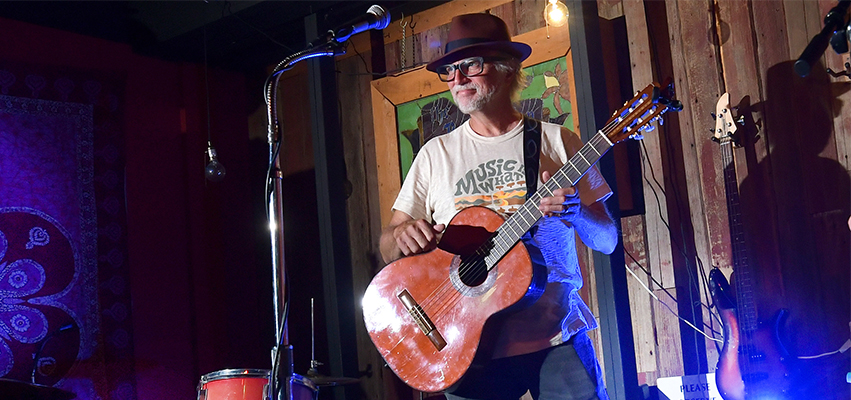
(741, 265)
(528, 214)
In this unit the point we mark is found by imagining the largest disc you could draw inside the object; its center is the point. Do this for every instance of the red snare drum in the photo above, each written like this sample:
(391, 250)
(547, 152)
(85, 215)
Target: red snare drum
(234, 384)
(248, 384)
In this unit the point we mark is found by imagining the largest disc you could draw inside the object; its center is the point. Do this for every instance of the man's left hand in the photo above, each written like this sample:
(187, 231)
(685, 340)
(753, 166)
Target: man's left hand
(563, 203)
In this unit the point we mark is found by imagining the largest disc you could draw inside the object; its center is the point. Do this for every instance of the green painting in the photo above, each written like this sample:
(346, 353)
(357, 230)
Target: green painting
(546, 98)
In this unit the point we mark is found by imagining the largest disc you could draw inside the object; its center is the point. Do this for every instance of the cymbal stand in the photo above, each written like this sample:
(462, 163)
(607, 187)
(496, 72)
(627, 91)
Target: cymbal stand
(275, 213)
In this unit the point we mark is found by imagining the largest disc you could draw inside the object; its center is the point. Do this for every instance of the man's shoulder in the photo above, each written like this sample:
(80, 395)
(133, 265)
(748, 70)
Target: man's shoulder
(553, 127)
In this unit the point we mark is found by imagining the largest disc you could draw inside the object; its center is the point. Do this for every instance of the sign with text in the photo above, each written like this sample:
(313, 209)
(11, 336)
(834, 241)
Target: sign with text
(690, 387)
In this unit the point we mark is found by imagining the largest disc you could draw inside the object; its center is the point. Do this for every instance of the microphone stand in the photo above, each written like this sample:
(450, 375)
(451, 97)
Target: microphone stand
(275, 214)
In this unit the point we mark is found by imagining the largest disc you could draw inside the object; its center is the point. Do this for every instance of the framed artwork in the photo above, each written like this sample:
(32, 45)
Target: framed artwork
(411, 108)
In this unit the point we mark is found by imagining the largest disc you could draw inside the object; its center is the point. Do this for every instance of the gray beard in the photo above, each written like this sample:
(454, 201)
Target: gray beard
(477, 102)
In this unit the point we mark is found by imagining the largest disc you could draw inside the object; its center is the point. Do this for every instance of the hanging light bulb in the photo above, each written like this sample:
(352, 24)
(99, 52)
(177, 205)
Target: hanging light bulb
(555, 13)
(215, 171)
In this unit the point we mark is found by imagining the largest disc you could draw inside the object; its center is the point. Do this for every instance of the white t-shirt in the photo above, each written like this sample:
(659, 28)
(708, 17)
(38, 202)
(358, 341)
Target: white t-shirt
(462, 169)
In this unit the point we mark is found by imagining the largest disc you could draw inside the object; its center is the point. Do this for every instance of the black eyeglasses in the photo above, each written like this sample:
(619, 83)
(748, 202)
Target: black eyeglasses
(469, 67)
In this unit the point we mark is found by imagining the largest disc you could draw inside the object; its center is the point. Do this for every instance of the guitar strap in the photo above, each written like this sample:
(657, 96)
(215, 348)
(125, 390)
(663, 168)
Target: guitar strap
(531, 153)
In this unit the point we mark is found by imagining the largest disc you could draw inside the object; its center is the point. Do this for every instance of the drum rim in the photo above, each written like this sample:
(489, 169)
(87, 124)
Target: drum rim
(235, 373)
(304, 381)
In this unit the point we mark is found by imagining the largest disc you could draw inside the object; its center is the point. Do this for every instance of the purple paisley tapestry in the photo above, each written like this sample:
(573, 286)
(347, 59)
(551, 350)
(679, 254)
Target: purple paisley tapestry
(64, 301)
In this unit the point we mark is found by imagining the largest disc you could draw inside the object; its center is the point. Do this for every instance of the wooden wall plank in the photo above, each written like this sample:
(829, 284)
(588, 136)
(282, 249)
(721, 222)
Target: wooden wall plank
(668, 347)
(702, 156)
(641, 303)
(506, 13)
(698, 80)
(610, 9)
(645, 237)
(770, 20)
(386, 154)
(529, 15)
(796, 26)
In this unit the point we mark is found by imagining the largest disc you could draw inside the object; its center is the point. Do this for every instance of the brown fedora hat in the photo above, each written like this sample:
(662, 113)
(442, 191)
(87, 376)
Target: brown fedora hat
(471, 33)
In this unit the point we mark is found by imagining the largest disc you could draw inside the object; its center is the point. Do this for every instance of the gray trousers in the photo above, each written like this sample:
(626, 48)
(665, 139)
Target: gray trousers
(565, 372)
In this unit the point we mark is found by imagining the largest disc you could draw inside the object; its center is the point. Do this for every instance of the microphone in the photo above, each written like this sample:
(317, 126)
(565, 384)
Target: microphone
(41, 344)
(375, 18)
(833, 21)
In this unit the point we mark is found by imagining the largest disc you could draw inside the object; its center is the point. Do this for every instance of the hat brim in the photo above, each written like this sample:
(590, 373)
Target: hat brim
(515, 49)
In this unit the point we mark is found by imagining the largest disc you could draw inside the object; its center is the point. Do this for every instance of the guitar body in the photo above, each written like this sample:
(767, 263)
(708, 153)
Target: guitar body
(458, 311)
(753, 364)
(767, 376)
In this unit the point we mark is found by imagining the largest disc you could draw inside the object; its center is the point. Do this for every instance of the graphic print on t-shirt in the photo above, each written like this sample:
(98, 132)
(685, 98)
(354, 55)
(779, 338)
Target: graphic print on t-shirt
(498, 184)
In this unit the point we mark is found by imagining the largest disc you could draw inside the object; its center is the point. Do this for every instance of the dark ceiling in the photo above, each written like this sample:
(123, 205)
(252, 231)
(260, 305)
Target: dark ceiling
(240, 35)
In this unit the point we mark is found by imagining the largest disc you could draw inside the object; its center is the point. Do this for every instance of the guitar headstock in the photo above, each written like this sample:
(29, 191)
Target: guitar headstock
(637, 115)
(725, 124)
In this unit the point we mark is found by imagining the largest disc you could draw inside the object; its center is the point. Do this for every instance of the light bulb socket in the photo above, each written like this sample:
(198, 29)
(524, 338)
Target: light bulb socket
(211, 153)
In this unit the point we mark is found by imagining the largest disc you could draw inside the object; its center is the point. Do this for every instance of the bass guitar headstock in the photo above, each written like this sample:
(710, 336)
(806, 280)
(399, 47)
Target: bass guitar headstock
(726, 124)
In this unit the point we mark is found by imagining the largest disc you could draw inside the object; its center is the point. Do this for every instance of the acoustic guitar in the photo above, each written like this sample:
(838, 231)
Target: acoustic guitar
(426, 314)
(753, 361)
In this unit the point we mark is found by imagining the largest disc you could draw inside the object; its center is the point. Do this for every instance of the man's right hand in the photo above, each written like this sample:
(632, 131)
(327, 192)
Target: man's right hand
(405, 236)
(416, 236)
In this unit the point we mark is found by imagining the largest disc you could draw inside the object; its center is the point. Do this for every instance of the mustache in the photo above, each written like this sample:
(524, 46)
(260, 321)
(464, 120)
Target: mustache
(466, 86)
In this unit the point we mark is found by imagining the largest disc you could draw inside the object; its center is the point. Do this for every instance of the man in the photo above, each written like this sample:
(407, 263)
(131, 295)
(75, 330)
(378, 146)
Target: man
(543, 349)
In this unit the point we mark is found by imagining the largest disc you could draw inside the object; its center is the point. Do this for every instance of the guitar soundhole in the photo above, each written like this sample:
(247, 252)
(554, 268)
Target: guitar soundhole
(470, 276)
(472, 272)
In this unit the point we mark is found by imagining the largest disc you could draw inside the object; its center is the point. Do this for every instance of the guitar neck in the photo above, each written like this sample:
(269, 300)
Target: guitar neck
(528, 214)
(741, 263)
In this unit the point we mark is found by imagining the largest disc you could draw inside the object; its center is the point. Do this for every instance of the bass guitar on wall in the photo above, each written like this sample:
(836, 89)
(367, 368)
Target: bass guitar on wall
(426, 313)
(753, 362)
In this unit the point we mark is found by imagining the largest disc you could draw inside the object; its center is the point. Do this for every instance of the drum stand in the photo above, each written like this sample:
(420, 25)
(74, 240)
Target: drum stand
(282, 364)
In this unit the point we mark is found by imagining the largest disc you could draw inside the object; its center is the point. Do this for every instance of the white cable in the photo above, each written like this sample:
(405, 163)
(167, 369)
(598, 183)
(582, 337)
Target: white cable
(666, 306)
(842, 349)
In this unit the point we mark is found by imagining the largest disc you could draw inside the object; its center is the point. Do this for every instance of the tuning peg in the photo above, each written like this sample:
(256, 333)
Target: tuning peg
(636, 136)
(713, 115)
(741, 120)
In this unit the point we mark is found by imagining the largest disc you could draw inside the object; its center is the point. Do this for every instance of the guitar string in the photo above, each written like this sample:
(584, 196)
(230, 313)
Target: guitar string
(477, 264)
(603, 134)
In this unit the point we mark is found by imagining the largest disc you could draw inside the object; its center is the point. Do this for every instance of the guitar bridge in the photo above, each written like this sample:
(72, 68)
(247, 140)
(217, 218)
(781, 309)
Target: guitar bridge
(422, 319)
